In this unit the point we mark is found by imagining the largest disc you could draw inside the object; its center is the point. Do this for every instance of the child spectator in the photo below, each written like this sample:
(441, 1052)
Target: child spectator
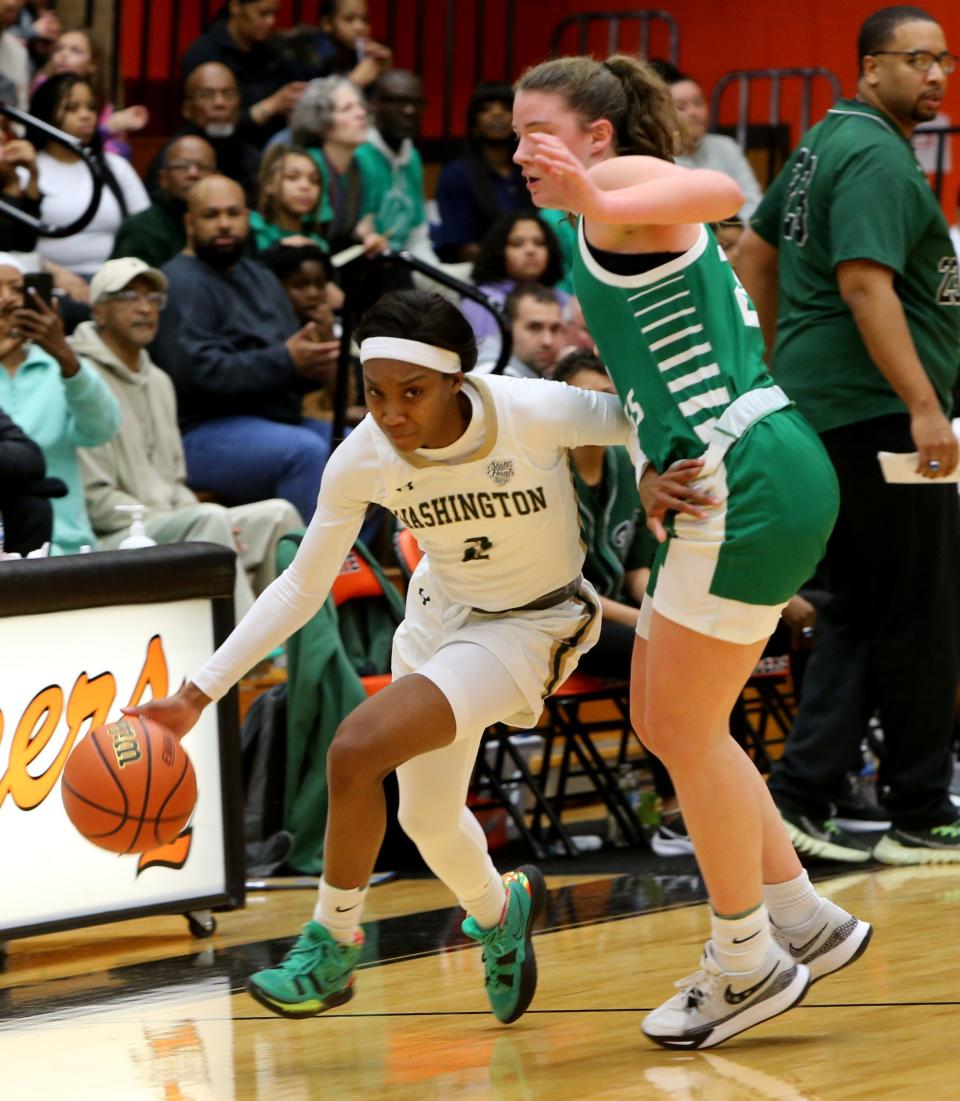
(77, 52)
(342, 47)
(518, 248)
(68, 102)
(484, 183)
(288, 207)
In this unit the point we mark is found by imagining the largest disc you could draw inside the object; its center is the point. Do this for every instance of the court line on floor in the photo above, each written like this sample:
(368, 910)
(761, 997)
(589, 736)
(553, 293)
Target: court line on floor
(609, 1009)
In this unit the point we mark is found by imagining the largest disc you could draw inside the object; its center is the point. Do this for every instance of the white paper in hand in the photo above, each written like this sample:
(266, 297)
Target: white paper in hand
(900, 468)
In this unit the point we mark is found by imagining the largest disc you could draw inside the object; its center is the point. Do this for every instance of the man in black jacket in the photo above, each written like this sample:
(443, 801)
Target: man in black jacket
(240, 362)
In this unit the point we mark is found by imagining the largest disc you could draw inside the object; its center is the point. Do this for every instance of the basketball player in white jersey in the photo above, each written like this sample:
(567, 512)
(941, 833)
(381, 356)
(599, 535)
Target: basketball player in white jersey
(739, 490)
(497, 616)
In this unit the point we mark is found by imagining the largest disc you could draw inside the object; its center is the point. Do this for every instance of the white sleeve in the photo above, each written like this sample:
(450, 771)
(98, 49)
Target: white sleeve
(134, 193)
(351, 480)
(553, 414)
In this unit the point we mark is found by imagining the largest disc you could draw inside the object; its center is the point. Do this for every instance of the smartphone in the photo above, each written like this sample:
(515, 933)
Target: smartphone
(42, 283)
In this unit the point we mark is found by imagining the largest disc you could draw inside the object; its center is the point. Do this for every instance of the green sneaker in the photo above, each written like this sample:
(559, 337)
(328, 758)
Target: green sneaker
(315, 975)
(938, 845)
(509, 961)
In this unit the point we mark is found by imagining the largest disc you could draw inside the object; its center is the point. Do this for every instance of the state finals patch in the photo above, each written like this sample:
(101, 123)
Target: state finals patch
(500, 471)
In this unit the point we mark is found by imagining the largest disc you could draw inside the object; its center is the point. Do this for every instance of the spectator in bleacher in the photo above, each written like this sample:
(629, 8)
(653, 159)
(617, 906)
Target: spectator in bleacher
(390, 165)
(67, 101)
(77, 52)
(304, 273)
(17, 153)
(702, 150)
(534, 315)
(576, 336)
(620, 553)
(240, 38)
(484, 183)
(230, 340)
(341, 47)
(26, 515)
(38, 27)
(212, 111)
(144, 463)
(518, 248)
(330, 122)
(157, 234)
(54, 396)
(289, 199)
(14, 59)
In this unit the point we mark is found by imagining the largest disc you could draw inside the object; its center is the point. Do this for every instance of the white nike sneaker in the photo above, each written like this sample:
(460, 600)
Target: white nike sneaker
(831, 939)
(714, 1004)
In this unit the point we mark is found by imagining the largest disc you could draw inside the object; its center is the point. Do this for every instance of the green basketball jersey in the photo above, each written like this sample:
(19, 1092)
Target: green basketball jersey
(852, 190)
(681, 342)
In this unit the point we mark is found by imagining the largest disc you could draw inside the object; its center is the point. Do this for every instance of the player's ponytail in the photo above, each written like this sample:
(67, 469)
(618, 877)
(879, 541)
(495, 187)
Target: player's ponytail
(424, 316)
(625, 91)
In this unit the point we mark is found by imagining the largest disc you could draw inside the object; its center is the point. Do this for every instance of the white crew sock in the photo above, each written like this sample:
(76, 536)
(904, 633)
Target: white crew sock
(740, 942)
(791, 903)
(487, 907)
(339, 911)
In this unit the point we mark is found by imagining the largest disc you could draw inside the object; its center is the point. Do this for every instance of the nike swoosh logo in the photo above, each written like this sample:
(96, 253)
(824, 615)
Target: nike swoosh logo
(745, 939)
(346, 909)
(797, 952)
(736, 997)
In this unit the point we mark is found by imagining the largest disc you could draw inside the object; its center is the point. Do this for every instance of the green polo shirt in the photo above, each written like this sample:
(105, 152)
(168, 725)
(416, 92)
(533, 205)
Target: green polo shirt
(853, 190)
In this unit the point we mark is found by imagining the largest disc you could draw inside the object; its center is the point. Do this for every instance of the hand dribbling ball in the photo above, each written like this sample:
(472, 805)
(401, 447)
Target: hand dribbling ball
(129, 786)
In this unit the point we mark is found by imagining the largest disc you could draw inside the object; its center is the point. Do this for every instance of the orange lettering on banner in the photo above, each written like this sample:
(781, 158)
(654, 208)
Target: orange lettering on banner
(154, 673)
(89, 700)
(34, 730)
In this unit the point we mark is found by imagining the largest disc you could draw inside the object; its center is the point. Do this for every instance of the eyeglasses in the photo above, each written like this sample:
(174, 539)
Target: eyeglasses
(128, 298)
(184, 165)
(208, 95)
(923, 60)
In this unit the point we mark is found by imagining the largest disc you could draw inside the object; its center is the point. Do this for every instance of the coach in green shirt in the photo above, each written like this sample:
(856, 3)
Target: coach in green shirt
(851, 267)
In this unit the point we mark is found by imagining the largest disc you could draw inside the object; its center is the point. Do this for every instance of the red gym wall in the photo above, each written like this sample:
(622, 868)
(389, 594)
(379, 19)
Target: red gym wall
(716, 36)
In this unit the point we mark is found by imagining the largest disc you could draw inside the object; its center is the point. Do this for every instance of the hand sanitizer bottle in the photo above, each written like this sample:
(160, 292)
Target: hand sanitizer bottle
(138, 533)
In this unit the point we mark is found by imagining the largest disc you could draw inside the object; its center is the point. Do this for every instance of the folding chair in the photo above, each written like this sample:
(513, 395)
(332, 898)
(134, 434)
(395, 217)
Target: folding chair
(766, 703)
(566, 725)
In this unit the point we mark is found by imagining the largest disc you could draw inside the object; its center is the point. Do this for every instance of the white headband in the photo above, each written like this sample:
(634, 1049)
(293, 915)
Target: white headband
(410, 351)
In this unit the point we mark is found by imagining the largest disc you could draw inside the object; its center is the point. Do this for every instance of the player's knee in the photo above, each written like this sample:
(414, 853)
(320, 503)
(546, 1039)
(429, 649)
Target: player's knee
(352, 758)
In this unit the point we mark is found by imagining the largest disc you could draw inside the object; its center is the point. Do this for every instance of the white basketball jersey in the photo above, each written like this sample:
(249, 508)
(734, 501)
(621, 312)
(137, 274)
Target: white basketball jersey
(500, 526)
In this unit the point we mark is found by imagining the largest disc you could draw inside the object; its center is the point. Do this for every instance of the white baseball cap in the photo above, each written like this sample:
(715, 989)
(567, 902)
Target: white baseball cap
(117, 274)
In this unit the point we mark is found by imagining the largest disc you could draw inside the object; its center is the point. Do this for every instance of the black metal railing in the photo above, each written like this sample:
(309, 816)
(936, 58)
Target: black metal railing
(773, 125)
(35, 126)
(584, 21)
(942, 135)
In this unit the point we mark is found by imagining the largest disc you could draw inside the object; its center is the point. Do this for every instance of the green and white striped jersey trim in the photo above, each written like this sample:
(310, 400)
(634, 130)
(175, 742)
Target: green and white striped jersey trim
(688, 373)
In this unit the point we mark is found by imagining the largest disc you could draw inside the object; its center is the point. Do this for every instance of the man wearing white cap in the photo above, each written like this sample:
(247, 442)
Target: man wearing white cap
(53, 395)
(144, 463)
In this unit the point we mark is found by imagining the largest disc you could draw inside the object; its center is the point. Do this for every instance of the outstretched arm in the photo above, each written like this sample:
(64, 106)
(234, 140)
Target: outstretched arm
(635, 191)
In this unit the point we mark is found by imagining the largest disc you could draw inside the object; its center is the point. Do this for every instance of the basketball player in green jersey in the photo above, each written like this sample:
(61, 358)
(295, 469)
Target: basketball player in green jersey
(737, 488)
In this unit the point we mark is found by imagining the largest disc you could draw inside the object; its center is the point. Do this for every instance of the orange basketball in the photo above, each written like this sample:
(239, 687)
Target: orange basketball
(129, 786)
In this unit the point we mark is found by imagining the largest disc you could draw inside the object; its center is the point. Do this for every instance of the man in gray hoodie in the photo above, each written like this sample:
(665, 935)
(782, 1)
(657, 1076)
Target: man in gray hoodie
(144, 463)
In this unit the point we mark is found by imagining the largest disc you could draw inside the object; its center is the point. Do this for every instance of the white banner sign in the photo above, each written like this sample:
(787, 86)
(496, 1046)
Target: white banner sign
(61, 675)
